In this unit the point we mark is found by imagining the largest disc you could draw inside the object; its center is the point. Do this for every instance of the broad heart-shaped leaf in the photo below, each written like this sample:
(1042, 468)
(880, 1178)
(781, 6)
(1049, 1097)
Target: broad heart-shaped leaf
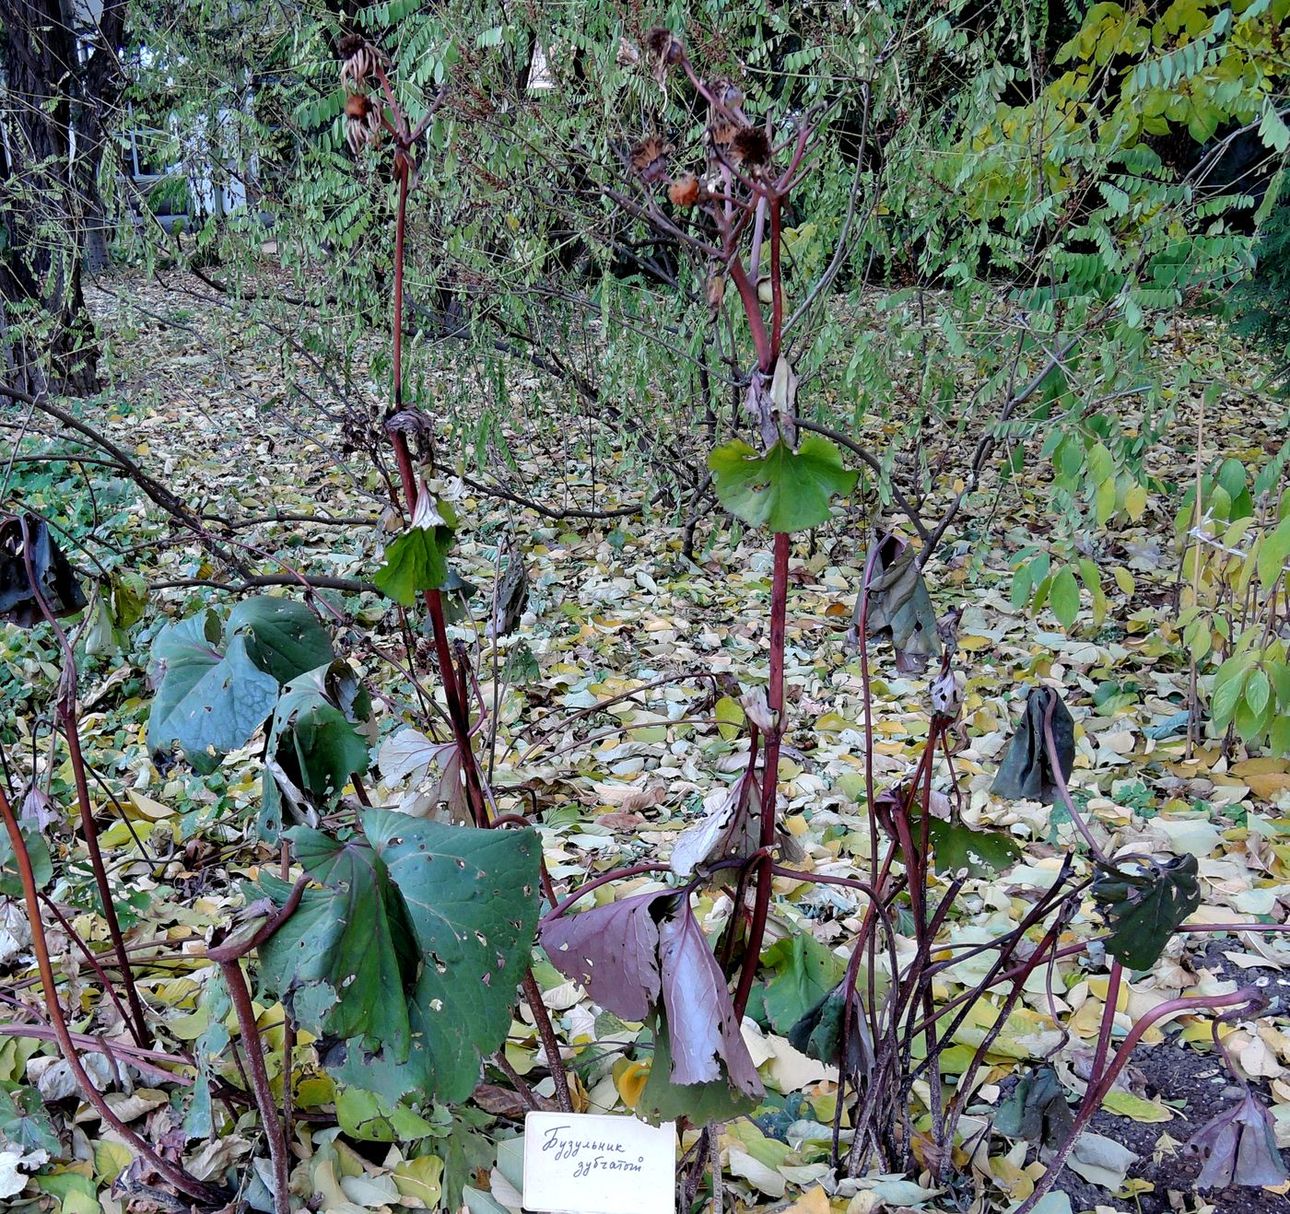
(784, 489)
(216, 686)
(412, 950)
(818, 1033)
(347, 953)
(25, 1122)
(805, 972)
(957, 846)
(1144, 908)
(415, 561)
(42, 867)
(314, 741)
(613, 951)
(1026, 772)
(284, 638)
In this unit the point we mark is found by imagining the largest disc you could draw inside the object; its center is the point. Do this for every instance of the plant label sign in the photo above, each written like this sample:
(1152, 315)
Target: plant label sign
(584, 1164)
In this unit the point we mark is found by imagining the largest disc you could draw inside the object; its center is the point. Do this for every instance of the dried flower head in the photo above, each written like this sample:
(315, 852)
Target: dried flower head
(358, 60)
(649, 159)
(751, 148)
(664, 49)
(723, 130)
(362, 122)
(685, 190)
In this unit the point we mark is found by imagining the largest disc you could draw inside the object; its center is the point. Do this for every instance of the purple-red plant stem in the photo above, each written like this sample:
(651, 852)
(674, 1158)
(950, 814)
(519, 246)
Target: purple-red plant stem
(66, 709)
(1098, 1088)
(253, 1047)
(776, 283)
(1107, 1026)
(550, 1046)
(40, 946)
(770, 774)
(617, 874)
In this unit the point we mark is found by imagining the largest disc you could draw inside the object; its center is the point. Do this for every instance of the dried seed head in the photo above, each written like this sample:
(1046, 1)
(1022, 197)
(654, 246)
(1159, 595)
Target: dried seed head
(684, 191)
(722, 132)
(357, 105)
(663, 46)
(663, 49)
(750, 147)
(728, 93)
(359, 59)
(649, 159)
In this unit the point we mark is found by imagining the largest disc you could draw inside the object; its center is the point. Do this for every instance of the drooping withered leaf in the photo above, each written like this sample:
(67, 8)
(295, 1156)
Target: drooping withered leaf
(54, 578)
(1036, 1110)
(1143, 901)
(647, 956)
(900, 608)
(1239, 1146)
(1026, 773)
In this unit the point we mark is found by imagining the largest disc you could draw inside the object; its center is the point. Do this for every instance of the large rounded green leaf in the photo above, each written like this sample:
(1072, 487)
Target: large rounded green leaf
(412, 951)
(215, 686)
(784, 489)
(208, 701)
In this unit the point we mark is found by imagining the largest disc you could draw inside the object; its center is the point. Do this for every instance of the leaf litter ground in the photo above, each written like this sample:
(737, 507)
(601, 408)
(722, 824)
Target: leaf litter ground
(616, 724)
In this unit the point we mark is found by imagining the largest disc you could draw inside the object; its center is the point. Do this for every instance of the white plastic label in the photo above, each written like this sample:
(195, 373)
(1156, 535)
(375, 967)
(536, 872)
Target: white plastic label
(584, 1164)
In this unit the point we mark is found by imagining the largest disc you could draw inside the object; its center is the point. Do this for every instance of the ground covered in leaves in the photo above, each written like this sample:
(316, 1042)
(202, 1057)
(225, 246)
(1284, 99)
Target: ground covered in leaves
(617, 719)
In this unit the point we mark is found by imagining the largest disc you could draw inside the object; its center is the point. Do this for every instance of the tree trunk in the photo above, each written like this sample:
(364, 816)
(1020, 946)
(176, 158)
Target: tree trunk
(53, 129)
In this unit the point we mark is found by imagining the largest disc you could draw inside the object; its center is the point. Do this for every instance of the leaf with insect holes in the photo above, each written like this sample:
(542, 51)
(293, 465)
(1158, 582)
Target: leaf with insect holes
(1144, 908)
(411, 951)
(784, 489)
(957, 846)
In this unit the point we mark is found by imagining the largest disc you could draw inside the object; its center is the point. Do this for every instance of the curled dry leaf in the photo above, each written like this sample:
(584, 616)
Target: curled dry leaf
(1239, 1146)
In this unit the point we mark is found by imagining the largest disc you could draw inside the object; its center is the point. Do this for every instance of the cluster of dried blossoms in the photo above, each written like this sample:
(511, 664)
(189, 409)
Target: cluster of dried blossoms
(734, 143)
(359, 61)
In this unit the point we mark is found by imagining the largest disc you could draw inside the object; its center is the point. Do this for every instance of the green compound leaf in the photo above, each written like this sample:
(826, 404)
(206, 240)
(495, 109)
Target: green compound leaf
(784, 489)
(1144, 908)
(416, 561)
(216, 685)
(412, 950)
